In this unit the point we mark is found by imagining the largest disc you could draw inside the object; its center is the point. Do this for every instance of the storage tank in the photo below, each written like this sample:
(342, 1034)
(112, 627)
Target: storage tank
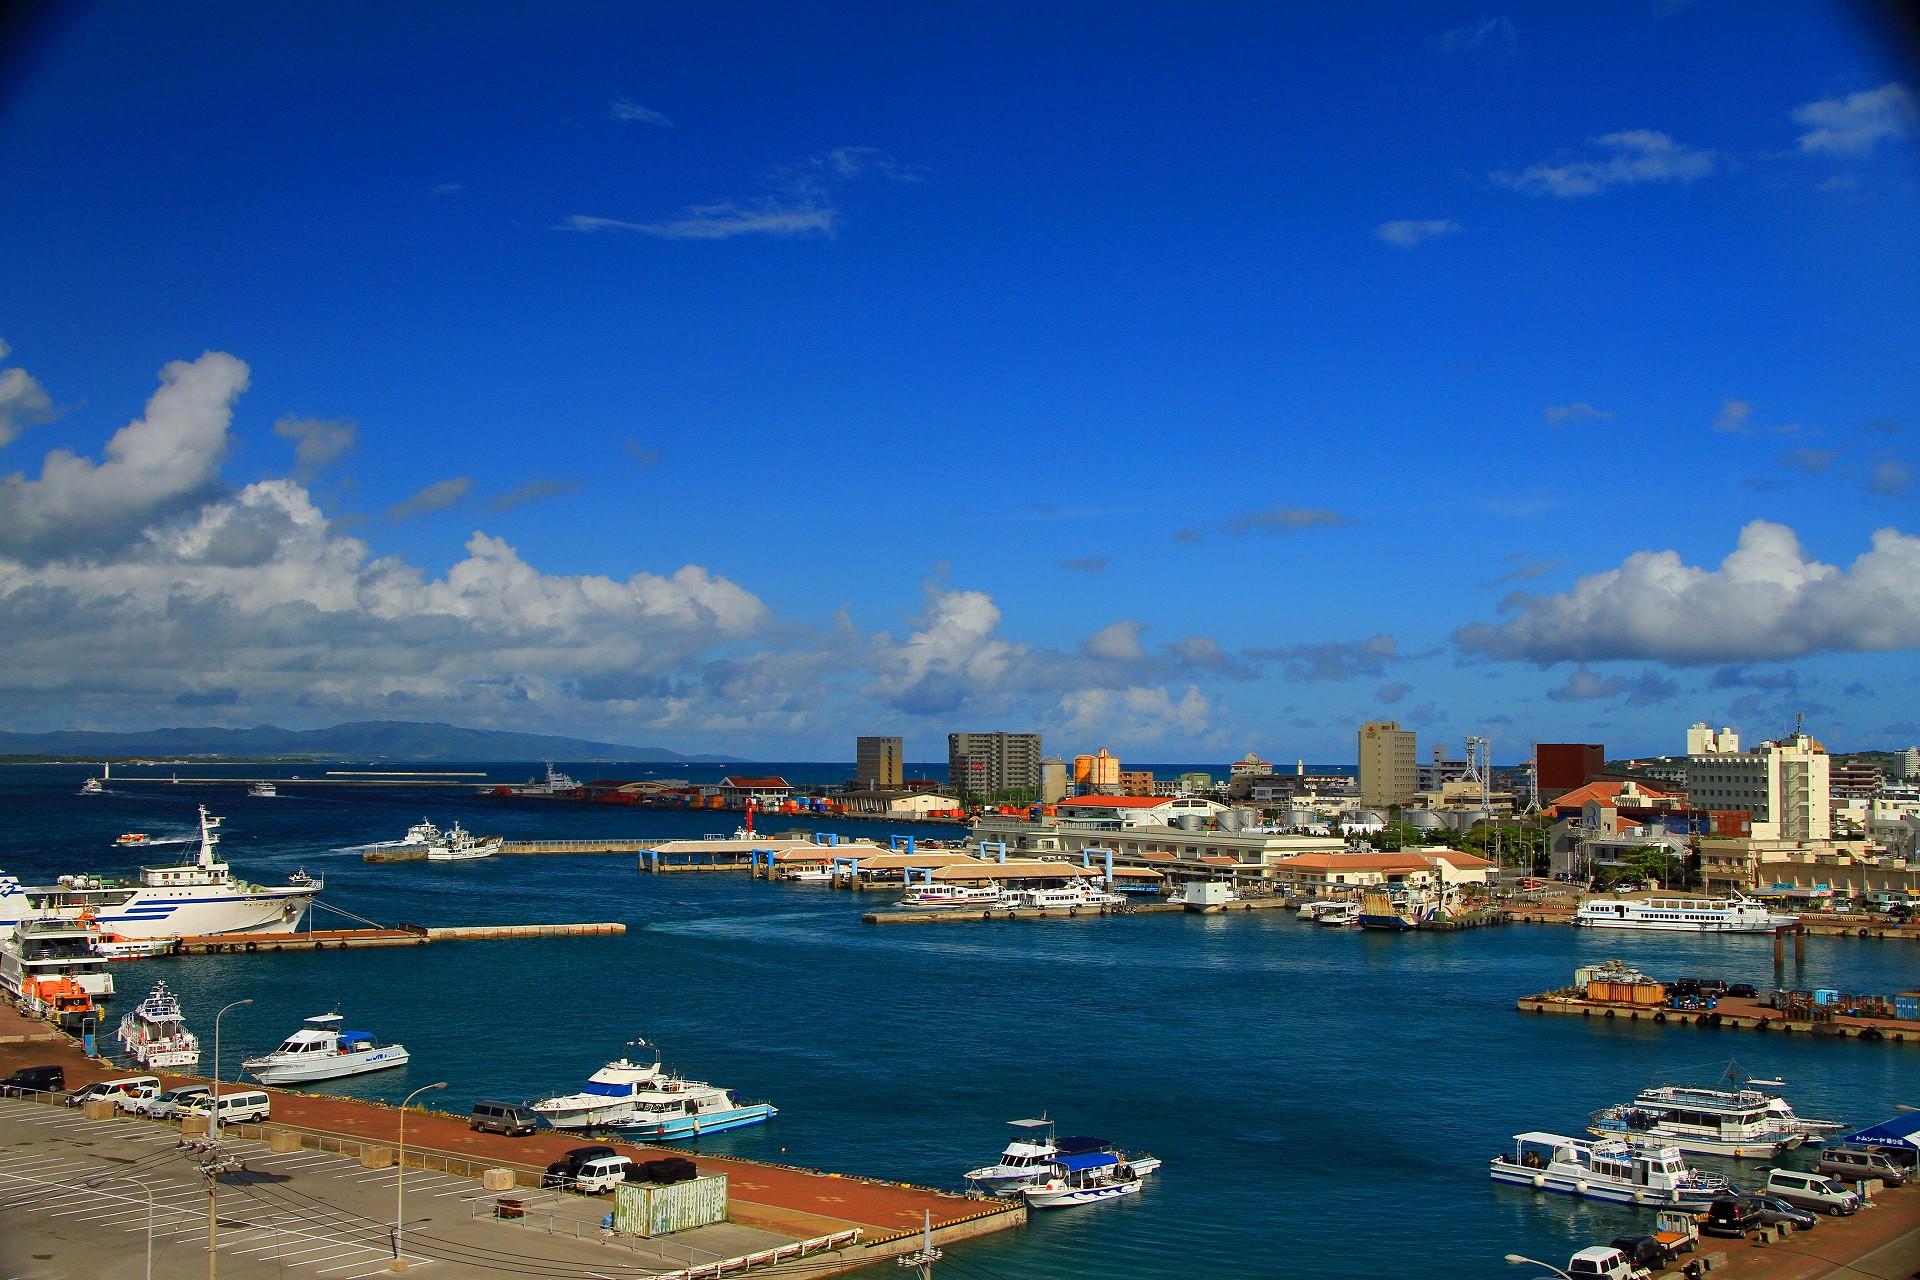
(1187, 822)
(1248, 817)
(1424, 819)
(1371, 816)
(1230, 820)
(1297, 818)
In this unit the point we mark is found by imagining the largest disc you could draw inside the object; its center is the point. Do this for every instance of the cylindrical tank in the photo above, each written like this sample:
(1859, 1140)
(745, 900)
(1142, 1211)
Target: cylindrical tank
(1230, 820)
(1298, 818)
(1248, 817)
(1424, 819)
(1188, 822)
(1371, 816)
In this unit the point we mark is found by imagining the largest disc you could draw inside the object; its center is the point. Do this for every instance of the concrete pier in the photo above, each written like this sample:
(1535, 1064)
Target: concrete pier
(1734, 1012)
(958, 914)
(406, 935)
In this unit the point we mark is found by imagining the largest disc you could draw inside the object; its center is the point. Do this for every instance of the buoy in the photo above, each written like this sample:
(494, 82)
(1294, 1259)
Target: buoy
(1580, 1187)
(1539, 1180)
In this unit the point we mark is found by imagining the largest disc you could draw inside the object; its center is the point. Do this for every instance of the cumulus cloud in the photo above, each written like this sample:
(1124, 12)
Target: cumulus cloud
(1767, 601)
(23, 401)
(1578, 411)
(532, 491)
(1136, 714)
(1856, 124)
(1119, 642)
(627, 109)
(1628, 158)
(1335, 659)
(155, 466)
(1408, 232)
(1283, 519)
(318, 443)
(437, 496)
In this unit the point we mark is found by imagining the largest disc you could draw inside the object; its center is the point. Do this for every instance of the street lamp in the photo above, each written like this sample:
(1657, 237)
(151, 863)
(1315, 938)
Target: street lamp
(213, 1135)
(213, 1114)
(1517, 1260)
(400, 1177)
(149, 1190)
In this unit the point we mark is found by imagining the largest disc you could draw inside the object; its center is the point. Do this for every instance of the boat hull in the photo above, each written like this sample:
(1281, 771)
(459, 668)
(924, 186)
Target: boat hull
(1068, 1197)
(332, 1066)
(675, 1128)
(1675, 926)
(1592, 1189)
(1733, 1148)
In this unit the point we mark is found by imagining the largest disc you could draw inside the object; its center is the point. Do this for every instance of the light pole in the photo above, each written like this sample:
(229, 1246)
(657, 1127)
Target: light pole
(149, 1190)
(400, 1177)
(1516, 1260)
(213, 1135)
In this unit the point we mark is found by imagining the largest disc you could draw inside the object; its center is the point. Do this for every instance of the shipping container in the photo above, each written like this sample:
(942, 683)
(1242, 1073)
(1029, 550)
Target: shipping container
(644, 1209)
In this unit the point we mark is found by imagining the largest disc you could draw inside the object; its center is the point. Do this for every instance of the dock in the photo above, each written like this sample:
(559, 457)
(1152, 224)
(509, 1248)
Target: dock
(956, 914)
(405, 935)
(1735, 1012)
(516, 848)
(790, 1220)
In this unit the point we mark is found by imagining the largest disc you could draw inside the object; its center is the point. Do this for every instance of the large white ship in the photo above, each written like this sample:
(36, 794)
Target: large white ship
(1682, 915)
(193, 899)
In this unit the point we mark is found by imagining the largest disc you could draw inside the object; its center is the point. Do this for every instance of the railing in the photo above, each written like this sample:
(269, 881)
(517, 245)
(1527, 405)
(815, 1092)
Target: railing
(766, 1257)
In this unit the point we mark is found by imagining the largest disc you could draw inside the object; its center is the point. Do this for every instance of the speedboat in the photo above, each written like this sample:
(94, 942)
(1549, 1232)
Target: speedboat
(155, 1035)
(808, 875)
(928, 897)
(134, 837)
(1623, 1169)
(322, 1050)
(1088, 1178)
(675, 1108)
(608, 1096)
(264, 790)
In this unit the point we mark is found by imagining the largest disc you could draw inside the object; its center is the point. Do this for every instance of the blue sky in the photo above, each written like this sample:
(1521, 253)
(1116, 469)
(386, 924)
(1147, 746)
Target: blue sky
(744, 377)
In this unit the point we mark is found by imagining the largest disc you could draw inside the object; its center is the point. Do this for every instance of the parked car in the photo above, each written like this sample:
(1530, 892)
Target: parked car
(502, 1117)
(135, 1101)
(1743, 990)
(1853, 1164)
(562, 1171)
(1643, 1251)
(1812, 1191)
(174, 1102)
(110, 1089)
(241, 1107)
(1602, 1263)
(1775, 1212)
(1732, 1217)
(33, 1080)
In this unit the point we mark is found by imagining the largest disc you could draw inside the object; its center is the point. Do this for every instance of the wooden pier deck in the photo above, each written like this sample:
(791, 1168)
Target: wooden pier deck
(1734, 1012)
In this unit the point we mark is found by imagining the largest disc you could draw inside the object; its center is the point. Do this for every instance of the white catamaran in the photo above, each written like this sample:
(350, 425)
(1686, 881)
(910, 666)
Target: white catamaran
(195, 898)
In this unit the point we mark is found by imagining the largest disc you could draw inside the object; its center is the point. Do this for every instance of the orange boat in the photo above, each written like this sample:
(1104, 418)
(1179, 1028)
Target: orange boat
(61, 1001)
(135, 837)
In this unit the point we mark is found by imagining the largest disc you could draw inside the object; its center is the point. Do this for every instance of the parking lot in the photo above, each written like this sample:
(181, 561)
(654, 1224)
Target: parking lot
(75, 1196)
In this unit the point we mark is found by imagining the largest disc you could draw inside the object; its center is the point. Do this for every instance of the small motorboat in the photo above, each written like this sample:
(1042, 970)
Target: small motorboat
(1088, 1178)
(134, 837)
(1339, 915)
(460, 845)
(322, 1050)
(116, 946)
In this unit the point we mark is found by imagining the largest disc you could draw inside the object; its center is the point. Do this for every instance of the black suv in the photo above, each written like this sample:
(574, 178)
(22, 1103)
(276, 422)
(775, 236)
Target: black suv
(1641, 1251)
(563, 1171)
(33, 1080)
(1730, 1217)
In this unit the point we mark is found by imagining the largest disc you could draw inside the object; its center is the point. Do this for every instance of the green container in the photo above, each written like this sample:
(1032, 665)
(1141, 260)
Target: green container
(643, 1209)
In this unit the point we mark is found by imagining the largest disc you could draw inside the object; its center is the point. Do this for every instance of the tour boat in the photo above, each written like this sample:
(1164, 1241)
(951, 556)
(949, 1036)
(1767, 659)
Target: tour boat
(1627, 1170)
(461, 845)
(54, 947)
(155, 1035)
(193, 898)
(924, 897)
(674, 1108)
(1339, 915)
(608, 1096)
(1027, 1159)
(1077, 894)
(1749, 1119)
(134, 837)
(264, 790)
(322, 1050)
(1087, 1178)
(1738, 914)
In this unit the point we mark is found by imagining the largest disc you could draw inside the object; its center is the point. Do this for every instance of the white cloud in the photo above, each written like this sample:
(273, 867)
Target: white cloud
(155, 465)
(1136, 714)
(437, 496)
(1632, 156)
(1767, 601)
(626, 109)
(1408, 233)
(318, 442)
(1855, 124)
(23, 401)
(1489, 38)
(1117, 642)
(1578, 411)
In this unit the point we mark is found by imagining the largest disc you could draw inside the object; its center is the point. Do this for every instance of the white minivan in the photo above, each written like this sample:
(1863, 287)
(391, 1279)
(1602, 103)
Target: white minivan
(602, 1175)
(235, 1108)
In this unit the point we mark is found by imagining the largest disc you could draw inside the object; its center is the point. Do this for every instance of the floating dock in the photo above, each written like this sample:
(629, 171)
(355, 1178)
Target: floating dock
(1735, 1012)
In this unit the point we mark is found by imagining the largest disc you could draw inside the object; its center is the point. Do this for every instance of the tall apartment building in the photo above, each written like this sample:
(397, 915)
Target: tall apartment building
(1389, 771)
(985, 764)
(1786, 784)
(1908, 762)
(877, 763)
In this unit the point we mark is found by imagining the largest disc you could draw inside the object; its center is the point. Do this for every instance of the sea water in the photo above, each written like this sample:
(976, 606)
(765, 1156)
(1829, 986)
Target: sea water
(1325, 1100)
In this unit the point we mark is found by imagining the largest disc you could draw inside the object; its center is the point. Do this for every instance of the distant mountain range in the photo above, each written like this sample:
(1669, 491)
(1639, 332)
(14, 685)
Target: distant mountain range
(393, 739)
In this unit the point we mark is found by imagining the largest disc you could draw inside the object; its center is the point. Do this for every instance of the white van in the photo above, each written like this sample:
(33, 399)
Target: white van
(235, 1108)
(135, 1101)
(113, 1090)
(601, 1175)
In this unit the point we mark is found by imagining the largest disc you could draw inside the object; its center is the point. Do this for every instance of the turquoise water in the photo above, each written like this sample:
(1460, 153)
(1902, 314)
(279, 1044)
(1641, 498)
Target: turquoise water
(1325, 1100)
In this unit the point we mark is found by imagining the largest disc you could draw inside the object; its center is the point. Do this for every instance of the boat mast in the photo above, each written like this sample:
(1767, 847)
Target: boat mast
(207, 839)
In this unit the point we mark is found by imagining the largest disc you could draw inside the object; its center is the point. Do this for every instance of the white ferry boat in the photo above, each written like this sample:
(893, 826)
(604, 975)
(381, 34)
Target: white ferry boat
(1077, 894)
(263, 790)
(97, 786)
(460, 845)
(1088, 1178)
(674, 1108)
(1629, 1171)
(47, 947)
(194, 898)
(155, 1035)
(608, 1096)
(321, 1050)
(1738, 914)
(933, 897)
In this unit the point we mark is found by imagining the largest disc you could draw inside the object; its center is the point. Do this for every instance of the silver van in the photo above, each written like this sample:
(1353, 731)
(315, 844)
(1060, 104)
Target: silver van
(1853, 1164)
(1812, 1191)
(502, 1117)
